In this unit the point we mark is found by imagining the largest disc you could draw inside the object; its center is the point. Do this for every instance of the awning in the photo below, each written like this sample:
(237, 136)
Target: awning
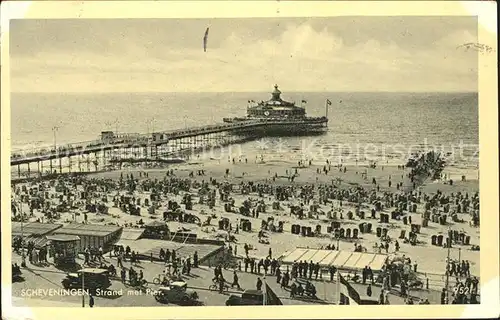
(352, 260)
(294, 255)
(341, 258)
(319, 256)
(131, 234)
(347, 260)
(39, 241)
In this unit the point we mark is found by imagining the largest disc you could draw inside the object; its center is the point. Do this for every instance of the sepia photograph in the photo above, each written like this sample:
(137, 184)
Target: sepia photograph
(245, 161)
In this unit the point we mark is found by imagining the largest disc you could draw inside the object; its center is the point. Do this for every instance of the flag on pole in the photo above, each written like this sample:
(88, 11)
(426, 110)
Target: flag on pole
(270, 298)
(347, 294)
(328, 102)
(304, 101)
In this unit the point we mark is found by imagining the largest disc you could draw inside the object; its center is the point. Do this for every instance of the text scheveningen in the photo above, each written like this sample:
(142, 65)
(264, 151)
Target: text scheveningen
(52, 292)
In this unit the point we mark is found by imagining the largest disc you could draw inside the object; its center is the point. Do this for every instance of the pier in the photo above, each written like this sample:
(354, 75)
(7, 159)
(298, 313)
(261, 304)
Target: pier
(157, 146)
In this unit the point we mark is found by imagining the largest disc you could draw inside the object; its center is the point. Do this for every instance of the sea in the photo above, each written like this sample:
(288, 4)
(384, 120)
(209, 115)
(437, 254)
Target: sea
(381, 127)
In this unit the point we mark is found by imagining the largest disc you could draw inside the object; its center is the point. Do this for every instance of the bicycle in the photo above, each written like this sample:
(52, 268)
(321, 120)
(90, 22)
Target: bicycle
(159, 279)
(162, 278)
(140, 285)
(215, 286)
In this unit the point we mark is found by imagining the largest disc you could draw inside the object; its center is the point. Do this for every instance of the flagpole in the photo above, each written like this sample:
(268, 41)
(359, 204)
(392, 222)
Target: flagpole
(264, 292)
(324, 287)
(338, 286)
(326, 108)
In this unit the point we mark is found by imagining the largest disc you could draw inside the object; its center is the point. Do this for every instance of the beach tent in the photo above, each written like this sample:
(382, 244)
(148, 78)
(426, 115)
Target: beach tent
(344, 260)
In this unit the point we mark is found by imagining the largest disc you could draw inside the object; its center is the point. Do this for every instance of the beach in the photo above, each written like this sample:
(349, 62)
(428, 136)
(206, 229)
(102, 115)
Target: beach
(263, 172)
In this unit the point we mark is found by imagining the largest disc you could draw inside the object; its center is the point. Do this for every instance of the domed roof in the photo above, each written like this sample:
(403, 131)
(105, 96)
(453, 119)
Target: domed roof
(276, 99)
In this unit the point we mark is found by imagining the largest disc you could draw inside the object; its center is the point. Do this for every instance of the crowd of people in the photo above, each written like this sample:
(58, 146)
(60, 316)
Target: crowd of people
(313, 200)
(35, 256)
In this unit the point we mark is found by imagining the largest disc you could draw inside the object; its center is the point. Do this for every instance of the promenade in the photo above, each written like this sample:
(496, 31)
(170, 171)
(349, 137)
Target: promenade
(199, 280)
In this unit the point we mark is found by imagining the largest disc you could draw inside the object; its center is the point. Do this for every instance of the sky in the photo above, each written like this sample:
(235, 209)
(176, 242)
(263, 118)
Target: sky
(400, 54)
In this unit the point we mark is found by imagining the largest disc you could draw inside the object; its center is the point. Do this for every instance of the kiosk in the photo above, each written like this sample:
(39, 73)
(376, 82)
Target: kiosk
(64, 248)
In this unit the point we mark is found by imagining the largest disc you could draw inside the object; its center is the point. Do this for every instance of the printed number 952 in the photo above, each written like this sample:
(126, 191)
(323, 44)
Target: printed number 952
(461, 290)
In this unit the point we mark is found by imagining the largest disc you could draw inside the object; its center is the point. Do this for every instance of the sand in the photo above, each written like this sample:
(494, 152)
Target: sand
(430, 259)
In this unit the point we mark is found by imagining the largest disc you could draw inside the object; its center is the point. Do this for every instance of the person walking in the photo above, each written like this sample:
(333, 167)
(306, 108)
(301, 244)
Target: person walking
(235, 281)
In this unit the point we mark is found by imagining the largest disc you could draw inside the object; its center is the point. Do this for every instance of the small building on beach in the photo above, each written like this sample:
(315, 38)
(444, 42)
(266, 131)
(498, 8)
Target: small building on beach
(92, 235)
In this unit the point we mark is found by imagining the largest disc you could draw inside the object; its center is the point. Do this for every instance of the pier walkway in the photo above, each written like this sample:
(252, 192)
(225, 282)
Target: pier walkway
(153, 140)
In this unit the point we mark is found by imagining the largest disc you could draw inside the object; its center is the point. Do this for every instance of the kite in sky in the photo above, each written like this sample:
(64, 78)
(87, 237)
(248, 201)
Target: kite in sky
(205, 38)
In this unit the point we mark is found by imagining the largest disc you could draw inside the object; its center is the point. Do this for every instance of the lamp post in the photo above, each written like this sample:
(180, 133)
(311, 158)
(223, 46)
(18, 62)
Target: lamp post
(153, 124)
(83, 289)
(23, 256)
(18, 206)
(448, 245)
(54, 130)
